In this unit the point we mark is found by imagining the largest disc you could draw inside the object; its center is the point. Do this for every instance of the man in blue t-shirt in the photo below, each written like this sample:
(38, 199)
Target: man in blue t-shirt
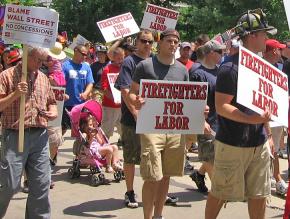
(206, 71)
(79, 82)
(242, 159)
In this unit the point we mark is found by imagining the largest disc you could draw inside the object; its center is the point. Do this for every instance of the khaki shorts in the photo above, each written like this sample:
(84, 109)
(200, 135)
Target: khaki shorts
(55, 138)
(111, 118)
(205, 148)
(131, 145)
(161, 155)
(241, 173)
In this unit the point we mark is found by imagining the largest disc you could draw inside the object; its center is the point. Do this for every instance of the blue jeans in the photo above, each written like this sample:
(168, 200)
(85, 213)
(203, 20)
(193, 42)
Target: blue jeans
(35, 161)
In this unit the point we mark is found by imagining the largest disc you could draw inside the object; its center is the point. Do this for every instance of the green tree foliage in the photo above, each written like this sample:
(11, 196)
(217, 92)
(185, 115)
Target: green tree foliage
(21, 2)
(200, 16)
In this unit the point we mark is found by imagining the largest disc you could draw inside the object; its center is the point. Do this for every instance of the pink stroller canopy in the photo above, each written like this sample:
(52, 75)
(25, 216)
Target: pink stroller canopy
(82, 111)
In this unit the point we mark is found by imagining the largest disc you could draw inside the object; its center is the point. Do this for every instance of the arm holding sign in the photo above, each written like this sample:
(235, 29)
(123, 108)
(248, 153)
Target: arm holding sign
(134, 97)
(227, 110)
(22, 88)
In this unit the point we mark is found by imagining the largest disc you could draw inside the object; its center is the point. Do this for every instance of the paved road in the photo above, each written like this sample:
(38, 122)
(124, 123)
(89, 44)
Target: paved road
(77, 199)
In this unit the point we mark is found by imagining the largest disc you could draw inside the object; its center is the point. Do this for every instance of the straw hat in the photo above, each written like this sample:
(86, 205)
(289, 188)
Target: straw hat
(56, 51)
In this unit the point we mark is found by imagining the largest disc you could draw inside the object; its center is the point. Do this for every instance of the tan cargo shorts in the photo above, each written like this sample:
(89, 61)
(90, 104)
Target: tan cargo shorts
(161, 155)
(240, 173)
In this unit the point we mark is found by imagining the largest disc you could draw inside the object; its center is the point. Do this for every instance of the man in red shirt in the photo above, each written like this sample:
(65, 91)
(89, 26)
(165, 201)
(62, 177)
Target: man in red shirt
(185, 53)
(111, 108)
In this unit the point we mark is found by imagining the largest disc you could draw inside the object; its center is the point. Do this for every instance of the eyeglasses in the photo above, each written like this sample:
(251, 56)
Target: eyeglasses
(219, 51)
(146, 41)
(82, 53)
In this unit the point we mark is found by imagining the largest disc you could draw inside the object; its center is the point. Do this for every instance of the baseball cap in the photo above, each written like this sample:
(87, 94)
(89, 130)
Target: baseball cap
(275, 44)
(185, 44)
(253, 21)
(169, 32)
(212, 45)
(13, 56)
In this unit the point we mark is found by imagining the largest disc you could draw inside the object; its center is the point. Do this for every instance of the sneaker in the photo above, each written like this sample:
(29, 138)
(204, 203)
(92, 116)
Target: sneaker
(188, 168)
(273, 182)
(25, 187)
(52, 184)
(193, 148)
(282, 153)
(281, 187)
(171, 200)
(199, 181)
(130, 199)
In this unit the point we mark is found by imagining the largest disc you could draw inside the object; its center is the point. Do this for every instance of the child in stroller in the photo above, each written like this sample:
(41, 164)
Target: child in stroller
(91, 147)
(97, 146)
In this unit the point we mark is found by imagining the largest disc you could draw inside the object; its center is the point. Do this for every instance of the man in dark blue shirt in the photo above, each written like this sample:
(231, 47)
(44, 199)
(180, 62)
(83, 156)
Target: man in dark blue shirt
(242, 160)
(131, 140)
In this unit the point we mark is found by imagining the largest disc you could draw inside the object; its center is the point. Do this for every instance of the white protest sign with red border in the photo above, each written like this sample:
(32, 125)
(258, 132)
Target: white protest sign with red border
(112, 77)
(118, 27)
(261, 86)
(59, 93)
(34, 26)
(172, 107)
(158, 18)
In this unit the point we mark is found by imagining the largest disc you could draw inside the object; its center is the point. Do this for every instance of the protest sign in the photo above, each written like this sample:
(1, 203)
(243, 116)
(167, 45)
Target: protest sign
(158, 18)
(112, 77)
(79, 40)
(261, 86)
(118, 27)
(172, 107)
(287, 10)
(59, 93)
(34, 26)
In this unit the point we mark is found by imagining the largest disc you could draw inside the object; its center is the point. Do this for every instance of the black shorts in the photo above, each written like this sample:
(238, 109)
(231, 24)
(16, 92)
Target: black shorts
(65, 121)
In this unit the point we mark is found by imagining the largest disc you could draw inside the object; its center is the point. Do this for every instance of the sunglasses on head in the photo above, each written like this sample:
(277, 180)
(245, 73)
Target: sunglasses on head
(82, 53)
(146, 41)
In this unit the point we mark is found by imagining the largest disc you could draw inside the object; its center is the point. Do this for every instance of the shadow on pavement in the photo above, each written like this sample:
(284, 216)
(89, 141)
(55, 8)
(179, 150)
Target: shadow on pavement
(84, 209)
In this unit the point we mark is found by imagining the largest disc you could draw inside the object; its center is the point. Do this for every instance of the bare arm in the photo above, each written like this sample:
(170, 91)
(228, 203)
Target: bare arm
(113, 47)
(134, 97)
(227, 110)
(130, 106)
(86, 93)
(22, 88)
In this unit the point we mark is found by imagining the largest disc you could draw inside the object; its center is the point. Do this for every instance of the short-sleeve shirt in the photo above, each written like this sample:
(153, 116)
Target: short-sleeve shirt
(39, 97)
(152, 69)
(203, 74)
(111, 68)
(97, 70)
(124, 81)
(188, 64)
(77, 77)
(231, 132)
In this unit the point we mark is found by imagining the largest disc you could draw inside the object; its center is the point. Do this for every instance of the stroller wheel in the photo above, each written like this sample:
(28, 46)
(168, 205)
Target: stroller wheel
(93, 170)
(95, 181)
(102, 178)
(123, 175)
(77, 173)
(71, 172)
(118, 176)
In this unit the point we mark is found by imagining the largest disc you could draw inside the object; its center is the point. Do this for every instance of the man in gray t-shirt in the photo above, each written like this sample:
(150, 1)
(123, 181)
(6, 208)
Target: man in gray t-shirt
(162, 155)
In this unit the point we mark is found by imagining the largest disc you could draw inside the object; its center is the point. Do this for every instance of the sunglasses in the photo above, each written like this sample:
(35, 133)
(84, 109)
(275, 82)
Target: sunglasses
(146, 41)
(82, 53)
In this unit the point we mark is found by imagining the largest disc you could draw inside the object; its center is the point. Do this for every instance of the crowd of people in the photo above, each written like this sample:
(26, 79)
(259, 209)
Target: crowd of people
(234, 149)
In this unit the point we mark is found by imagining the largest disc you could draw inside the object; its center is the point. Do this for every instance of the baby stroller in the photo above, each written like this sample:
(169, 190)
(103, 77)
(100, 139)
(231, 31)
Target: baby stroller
(81, 149)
